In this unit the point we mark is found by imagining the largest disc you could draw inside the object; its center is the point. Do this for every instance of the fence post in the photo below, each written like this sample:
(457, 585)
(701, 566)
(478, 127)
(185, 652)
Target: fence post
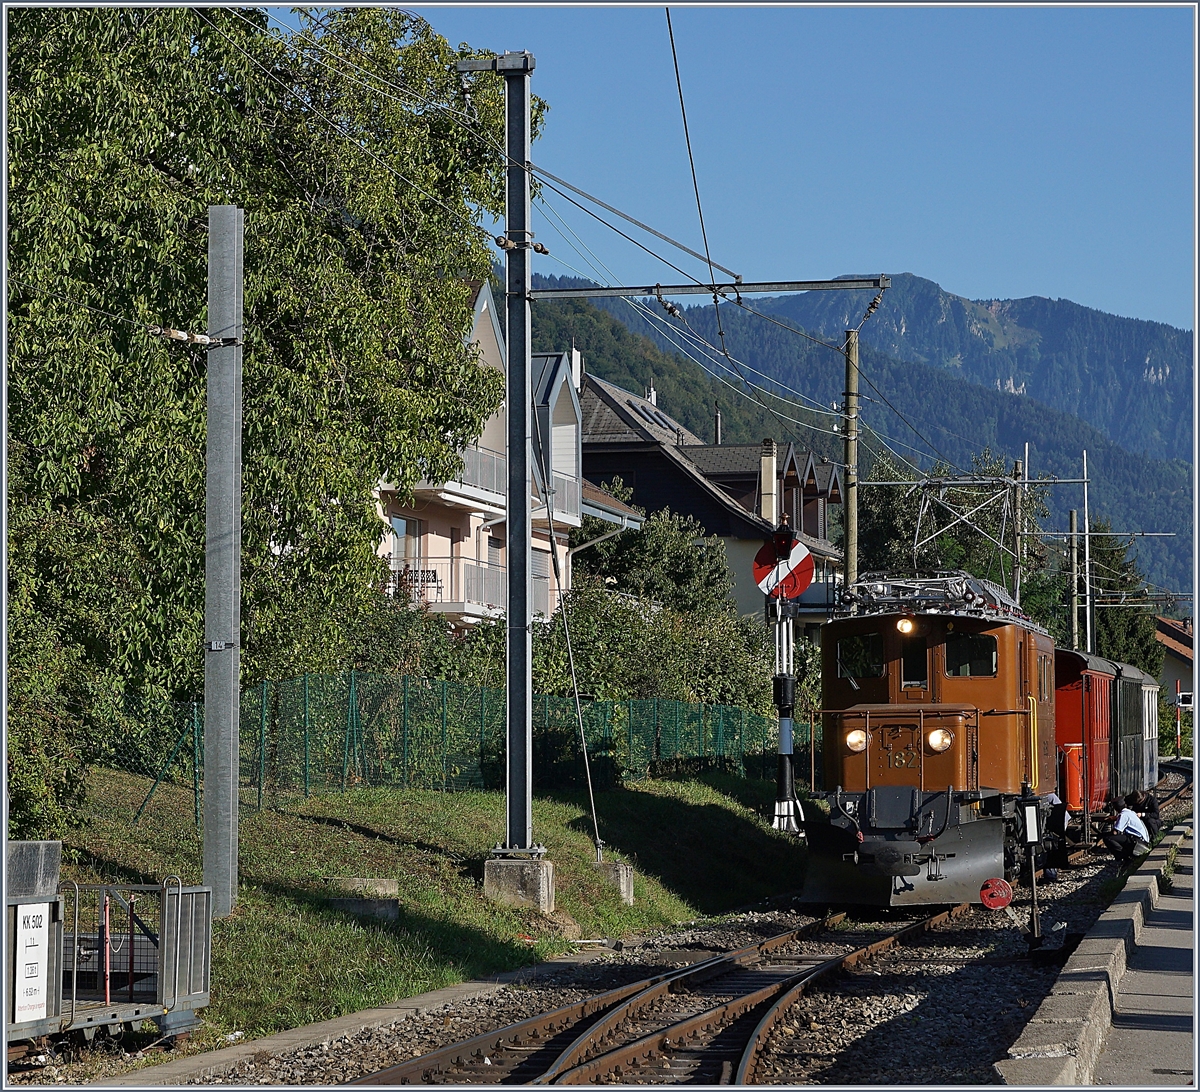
(630, 726)
(606, 735)
(306, 726)
(443, 735)
(482, 733)
(262, 743)
(404, 729)
(196, 759)
(349, 725)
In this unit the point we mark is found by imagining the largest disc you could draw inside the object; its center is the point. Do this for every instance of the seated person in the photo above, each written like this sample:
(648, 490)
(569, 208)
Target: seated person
(1129, 837)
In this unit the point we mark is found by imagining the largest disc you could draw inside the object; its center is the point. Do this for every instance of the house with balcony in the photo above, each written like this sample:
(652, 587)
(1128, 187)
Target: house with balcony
(446, 542)
(738, 492)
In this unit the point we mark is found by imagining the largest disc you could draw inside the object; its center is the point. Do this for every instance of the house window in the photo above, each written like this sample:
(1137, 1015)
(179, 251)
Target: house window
(406, 542)
(539, 564)
(495, 551)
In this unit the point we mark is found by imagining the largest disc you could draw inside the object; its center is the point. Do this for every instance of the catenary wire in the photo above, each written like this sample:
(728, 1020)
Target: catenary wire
(753, 389)
(531, 168)
(792, 329)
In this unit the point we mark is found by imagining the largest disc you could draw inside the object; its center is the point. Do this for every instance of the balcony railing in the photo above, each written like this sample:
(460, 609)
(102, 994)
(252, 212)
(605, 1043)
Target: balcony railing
(444, 583)
(568, 496)
(482, 469)
(488, 470)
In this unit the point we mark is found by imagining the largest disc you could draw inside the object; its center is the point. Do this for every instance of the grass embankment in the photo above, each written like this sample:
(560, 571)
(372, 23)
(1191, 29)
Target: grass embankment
(285, 958)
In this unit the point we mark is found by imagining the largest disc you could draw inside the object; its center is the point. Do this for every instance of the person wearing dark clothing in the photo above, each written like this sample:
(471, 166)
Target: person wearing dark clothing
(1147, 811)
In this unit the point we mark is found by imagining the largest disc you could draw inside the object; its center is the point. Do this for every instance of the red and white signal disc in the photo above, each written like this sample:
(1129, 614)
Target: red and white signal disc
(995, 894)
(784, 579)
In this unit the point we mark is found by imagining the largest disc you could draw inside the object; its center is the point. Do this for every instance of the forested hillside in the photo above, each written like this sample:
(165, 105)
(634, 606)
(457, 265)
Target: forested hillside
(1131, 379)
(958, 418)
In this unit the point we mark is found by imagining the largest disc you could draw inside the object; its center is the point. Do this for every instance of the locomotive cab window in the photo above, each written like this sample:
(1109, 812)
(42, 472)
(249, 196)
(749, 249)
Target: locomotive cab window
(915, 663)
(860, 656)
(971, 654)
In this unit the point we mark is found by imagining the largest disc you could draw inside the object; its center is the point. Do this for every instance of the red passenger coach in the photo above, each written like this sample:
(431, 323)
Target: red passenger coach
(1083, 693)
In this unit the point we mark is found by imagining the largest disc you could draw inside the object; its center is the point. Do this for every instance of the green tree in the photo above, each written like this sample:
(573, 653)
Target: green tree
(1122, 633)
(669, 559)
(361, 194)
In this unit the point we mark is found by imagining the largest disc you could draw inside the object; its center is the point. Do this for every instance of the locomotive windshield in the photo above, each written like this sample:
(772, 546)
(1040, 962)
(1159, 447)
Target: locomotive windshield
(916, 664)
(860, 656)
(970, 654)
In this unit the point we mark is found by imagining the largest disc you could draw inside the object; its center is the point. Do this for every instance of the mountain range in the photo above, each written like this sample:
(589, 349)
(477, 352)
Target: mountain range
(943, 378)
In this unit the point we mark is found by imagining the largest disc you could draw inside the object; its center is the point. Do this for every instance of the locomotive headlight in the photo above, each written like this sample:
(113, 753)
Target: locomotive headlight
(939, 739)
(856, 739)
(906, 625)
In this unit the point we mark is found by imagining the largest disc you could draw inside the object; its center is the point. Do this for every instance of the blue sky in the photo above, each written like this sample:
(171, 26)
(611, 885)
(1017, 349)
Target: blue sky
(1000, 151)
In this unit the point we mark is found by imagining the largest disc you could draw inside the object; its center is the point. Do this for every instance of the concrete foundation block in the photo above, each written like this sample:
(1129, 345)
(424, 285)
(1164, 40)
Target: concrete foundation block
(1036, 1071)
(1058, 1007)
(373, 909)
(517, 881)
(620, 875)
(1041, 1038)
(373, 888)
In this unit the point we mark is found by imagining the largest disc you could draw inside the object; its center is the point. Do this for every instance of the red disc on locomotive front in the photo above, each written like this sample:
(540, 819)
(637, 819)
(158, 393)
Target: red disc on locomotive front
(995, 894)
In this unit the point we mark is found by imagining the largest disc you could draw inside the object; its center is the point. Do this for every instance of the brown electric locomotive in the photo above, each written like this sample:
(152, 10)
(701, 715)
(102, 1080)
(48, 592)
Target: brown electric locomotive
(937, 715)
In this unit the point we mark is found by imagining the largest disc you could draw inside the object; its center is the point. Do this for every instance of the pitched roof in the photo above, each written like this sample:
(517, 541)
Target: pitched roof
(611, 414)
(1174, 636)
(717, 460)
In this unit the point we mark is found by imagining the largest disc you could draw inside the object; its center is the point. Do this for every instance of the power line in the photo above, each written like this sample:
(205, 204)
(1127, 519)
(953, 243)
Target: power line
(77, 303)
(649, 314)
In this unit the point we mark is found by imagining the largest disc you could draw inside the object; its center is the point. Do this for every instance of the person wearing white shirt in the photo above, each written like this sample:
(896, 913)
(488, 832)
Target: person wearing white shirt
(1129, 837)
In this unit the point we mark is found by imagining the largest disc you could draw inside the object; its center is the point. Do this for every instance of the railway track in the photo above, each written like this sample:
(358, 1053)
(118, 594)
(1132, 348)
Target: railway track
(702, 1023)
(1169, 795)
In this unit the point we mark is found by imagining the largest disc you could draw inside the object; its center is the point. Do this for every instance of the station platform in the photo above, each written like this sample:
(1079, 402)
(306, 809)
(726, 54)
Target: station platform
(1151, 1041)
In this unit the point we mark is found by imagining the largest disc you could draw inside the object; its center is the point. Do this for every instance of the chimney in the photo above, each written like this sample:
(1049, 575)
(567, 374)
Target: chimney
(652, 394)
(577, 368)
(769, 509)
(717, 430)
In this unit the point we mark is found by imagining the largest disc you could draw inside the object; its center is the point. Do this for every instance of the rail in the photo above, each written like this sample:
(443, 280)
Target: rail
(574, 1044)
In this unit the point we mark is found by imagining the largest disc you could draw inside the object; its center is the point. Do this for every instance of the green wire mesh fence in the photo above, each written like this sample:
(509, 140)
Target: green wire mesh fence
(329, 733)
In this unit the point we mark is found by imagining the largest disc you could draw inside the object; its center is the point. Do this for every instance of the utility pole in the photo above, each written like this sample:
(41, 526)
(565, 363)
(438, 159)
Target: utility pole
(789, 815)
(1074, 516)
(223, 558)
(1017, 514)
(518, 400)
(851, 457)
(1087, 560)
(516, 872)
